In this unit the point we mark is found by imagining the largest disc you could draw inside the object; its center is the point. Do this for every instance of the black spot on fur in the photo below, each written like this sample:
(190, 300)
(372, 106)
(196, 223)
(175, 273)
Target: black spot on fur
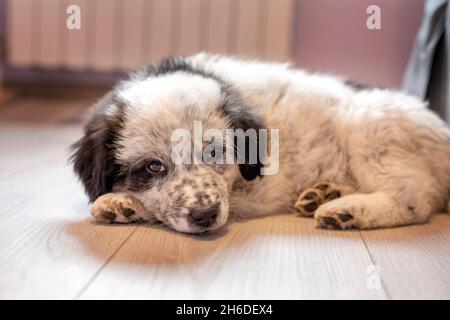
(189, 182)
(171, 65)
(180, 199)
(357, 86)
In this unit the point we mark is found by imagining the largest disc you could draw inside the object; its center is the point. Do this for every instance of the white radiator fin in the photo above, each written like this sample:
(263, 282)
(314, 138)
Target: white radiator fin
(119, 35)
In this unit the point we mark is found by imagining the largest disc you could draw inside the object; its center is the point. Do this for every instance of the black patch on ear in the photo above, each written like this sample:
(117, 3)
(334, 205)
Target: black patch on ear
(242, 117)
(93, 155)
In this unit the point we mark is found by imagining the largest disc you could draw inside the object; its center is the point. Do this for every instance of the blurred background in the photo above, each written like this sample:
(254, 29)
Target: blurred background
(116, 36)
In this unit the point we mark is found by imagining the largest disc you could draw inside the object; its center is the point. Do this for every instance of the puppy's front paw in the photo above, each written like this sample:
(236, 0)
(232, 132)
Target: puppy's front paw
(117, 207)
(335, 218)
(310, 199)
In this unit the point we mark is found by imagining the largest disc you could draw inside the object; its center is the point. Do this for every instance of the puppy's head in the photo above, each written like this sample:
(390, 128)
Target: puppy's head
(129, 145)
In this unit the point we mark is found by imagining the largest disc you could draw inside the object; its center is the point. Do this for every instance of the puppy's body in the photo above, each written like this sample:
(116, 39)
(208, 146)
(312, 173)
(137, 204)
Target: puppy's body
(383, 155)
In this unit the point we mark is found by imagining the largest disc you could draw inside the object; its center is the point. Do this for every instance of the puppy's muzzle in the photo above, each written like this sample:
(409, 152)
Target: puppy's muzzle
(204, 217)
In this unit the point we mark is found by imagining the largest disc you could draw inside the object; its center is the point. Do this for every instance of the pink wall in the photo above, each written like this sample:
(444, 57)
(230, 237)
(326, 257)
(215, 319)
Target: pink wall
(331, 36)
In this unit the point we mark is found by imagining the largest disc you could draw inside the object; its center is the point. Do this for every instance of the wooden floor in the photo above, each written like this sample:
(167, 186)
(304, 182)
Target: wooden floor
(50, 248)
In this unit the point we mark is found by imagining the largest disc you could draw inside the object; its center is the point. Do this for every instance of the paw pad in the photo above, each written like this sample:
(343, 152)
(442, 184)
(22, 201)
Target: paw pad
(336, 219)
(309, 201)
(330, 221)
(109, 215)
(345, 217)
(127, 212)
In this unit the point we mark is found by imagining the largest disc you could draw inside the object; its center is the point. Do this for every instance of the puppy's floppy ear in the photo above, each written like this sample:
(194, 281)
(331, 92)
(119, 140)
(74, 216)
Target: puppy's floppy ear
(242, 117)
(93, 155)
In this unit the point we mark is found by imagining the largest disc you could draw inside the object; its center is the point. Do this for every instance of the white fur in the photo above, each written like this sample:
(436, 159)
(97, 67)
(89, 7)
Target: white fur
(389, 145)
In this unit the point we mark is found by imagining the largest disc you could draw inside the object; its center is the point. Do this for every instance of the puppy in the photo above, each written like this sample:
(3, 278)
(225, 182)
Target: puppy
(349, 157)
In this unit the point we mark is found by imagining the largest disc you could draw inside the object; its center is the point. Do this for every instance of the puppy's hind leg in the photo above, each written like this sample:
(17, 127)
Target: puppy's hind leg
(398, 202)
(365, 211)
(117, 207)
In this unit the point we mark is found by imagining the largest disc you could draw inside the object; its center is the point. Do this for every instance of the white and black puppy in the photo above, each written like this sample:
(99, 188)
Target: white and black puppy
(349, 157)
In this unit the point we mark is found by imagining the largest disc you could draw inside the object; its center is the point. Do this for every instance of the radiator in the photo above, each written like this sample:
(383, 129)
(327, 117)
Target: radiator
(118, 35)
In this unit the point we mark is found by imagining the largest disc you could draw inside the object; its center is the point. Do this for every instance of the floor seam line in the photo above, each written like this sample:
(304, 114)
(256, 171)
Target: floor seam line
(372, 260)
(89, 283)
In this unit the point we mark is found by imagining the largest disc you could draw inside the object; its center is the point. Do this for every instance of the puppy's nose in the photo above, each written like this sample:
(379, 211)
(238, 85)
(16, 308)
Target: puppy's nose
(204, 217)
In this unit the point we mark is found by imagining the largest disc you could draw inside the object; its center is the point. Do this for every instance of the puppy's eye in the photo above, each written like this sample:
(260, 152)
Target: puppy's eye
(155, 166)
(213, 153)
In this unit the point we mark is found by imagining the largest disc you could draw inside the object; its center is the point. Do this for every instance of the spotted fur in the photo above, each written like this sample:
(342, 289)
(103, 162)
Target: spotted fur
(388, 146)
